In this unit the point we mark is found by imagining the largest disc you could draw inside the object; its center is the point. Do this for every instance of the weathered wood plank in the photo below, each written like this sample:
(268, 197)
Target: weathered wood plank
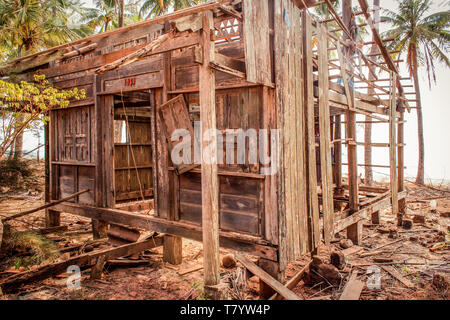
(257, 41)
(325, 137)
(310, 150)
(210, 181)
(267, 278)
(393, 146)
(353, 288)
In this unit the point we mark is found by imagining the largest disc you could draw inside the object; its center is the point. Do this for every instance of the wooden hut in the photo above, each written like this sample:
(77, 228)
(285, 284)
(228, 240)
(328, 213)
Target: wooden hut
(251, 64)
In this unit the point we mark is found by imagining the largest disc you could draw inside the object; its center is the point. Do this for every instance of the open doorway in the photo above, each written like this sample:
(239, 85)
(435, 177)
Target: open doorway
(133, 147)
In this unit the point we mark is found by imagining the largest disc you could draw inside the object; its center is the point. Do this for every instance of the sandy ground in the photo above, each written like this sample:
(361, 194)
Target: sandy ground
(413, 253)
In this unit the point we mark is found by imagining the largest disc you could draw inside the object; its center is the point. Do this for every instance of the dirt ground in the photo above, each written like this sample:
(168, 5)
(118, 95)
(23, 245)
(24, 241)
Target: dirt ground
(416, 254)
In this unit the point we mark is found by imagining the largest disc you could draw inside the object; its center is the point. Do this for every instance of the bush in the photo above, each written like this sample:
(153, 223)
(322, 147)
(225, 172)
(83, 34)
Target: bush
(13, 172)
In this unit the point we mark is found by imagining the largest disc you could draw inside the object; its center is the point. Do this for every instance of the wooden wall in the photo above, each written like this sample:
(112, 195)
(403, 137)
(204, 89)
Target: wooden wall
(296, 202)
(247, 198)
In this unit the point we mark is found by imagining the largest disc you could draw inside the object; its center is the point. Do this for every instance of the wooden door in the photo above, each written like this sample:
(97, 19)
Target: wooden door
(174, 115)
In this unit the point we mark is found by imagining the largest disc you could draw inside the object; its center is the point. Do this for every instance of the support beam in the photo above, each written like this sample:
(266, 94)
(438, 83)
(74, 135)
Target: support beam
(210, 184)
(235, 241)
(310, 149)
(353, 230)
(400, 168)
(52, 218)
(392, 145)
(325, 137)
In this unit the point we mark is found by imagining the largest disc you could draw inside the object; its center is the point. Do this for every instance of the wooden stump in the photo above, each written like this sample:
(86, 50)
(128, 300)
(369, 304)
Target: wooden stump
(272, 268)
(99, 229)
(354, 232)
(52, 218)
(173, 249)
(376, 217)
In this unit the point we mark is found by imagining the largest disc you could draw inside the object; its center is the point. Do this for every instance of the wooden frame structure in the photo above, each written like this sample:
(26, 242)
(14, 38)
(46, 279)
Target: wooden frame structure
(233, 64)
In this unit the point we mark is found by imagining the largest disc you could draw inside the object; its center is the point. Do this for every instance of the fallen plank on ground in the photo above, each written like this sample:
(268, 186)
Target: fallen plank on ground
(398, 276)
(267, 278)
(353, 288)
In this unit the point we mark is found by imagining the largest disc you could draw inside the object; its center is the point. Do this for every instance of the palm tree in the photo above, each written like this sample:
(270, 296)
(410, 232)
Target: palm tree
(120, 6)
(27, 26)
(425, 39)
(110, 14)
(103, 17)
(152, 8)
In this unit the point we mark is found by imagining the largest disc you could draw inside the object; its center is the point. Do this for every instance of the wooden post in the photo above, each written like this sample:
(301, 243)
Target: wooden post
(353, 230)
(401, 168)
(52, 218)
(325, 137)
(338, 156)
(173, 249)
(376, 217)
(102, 197)
(310, 149)
(392, 144)
(210, 183)
(272, 268)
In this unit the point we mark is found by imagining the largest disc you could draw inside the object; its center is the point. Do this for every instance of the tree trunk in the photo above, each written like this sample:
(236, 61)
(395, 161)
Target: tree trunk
(121, 4)
(368, 173)
(420, 179)
(18, 141)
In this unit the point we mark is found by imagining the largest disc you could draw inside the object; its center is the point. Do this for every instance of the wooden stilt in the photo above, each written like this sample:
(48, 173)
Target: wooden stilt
(354, 232)
(99, 229)
(325, 137)
(401, 170)
(210, 183)
(376, 217)
(392, 145)
(309, 129)
(272, 268)
(52, 218)
(173, 249)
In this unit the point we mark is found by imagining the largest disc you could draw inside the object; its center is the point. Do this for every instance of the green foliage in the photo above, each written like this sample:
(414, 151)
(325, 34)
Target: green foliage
(28, 26)
(152, 8)
(35, 248)
(200, 288)
(25, 104)
(422, 38)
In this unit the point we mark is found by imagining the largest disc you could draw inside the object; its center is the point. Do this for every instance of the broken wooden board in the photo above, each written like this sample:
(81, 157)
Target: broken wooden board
(353, 288)
(174, 115)
(267, 278)
(257, 41)
(190, 270)
(352, 250)
(391, 270)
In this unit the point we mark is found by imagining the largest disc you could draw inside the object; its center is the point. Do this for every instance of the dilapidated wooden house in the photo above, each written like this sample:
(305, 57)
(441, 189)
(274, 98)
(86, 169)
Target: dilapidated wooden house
(227, 65)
